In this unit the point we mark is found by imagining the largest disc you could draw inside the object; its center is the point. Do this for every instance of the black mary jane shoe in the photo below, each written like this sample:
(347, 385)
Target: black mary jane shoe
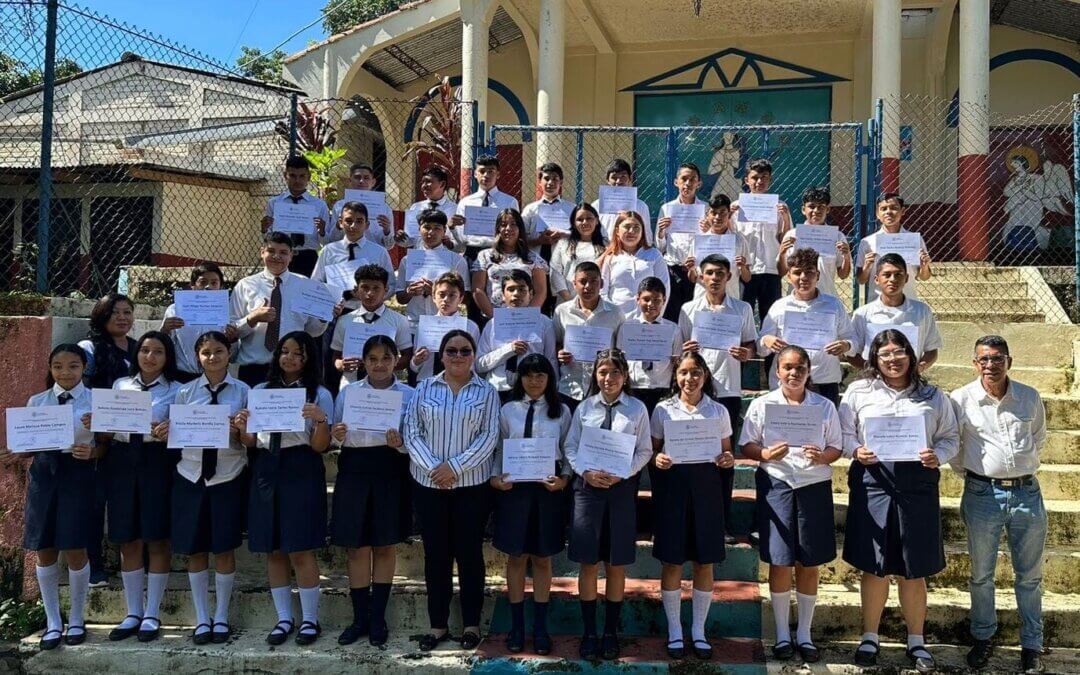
(351, 634)
(201, 638)
(542, 643)
(46, 643)
(515, 641)
(149, 634)
(379, 635)
(117, 634)
(76, 639)
(783, 650)
(308, 633)
(703, 650)
(676, 649)
(589, 650)
(609, 647)
(865, 657)
(220, 637)
(280, 632)
(923, 664)
(431, 641)
(809, 653)
(470, 640)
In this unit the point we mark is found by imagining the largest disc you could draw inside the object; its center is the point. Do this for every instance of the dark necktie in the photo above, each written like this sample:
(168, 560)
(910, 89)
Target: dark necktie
(529, 420)
(65, 398)
(209, 455)
(297, 239)
(273, 328)
(609, 412)
(51, 460)
(352, 250)
(487, 200)
(648, 365)
(370, 317)
(136, 440)
(432, 204)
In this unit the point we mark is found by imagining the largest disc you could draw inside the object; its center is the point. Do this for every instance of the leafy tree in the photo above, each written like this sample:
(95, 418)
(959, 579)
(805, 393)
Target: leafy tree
(268, 68)
(16, 75)
(341, 15)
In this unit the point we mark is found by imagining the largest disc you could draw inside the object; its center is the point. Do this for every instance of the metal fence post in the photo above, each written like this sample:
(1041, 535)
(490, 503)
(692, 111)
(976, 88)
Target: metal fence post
(45, 182)
(857, 210)
(671, 165)
(579, 174)
(879, 122)
(293, 105)
(1076, 196)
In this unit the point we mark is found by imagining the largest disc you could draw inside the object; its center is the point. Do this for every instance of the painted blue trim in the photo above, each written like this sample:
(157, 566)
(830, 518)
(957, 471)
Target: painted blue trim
(751, 61)
(1005, 58)
(494, 85)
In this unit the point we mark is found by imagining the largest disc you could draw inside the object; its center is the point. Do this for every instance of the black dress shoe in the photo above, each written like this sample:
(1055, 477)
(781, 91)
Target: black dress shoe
(676, 649)
(201, 638)
(47, 642)
(703, 650)
(979, 655)
(783, 650)
(149, 634)
(470, 640)
(922, 659)
(280, 632)
(120, 633)
(220, 637)
(515, 641)
(542, 643)
(309, 632)
(379, 635)
(351, 634)
(75, 639)
(609, 647)
(1031, 661)
(430, 641)
(590, 648)
(865, 657)
(809, 653)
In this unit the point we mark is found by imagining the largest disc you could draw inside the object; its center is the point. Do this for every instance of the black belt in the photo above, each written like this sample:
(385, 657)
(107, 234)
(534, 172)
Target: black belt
(1019, 481)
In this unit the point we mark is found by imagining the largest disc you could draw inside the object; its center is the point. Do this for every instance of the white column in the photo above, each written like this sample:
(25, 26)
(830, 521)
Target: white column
(549, 92)
(474, 77)
(329, 73)
(885, 84)
(974, 77)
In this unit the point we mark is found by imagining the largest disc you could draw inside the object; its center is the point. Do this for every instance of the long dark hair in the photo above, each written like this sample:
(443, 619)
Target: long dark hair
(310, 376)
(521, 248)
(597, 239)
(64, 348)
(109, 360)
(921, 390)
(615, 357)
(538, 363)
(708, 387)
(804, 357)
(169, 371)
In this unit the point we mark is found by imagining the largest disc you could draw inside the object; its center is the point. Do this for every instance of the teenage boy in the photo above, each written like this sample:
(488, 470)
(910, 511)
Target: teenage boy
(487, 195)
(890, 212)
(498, 362)
(372, 283)
(618, 174)
(650, 381)
(355, 249)
(551, 203)
(677, 246)
(258, 309)
(417, 295)
(587, 309)
(433, 184)
(718, 221)
(815, 209)
(304, 246)
(763, 289)
(448, 292)
(381, 231)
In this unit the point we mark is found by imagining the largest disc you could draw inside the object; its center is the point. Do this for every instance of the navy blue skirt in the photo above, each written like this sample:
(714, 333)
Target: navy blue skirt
(604, 523)
(207, 519)
(894, 520)
(287, 504)
(372, 498)
(59, 503)
(530, 520)
(138, 490)
(688, 513)
(795, 524)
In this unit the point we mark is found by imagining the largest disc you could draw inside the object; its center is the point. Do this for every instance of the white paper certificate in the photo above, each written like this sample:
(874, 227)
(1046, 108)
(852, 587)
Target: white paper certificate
(517, 323)
(431, 329)
(809, 330)
(553, 217)
(422, 263)
(369, 409)
(910, 331)
(480, 220)
(275, 410)
(342, 276)
(202, 308)
(647, 341)
(895, 439)
(585, 341)
(120, 411)
(374, 200)
(603, 450)
(907, 244)
(295, 218)
(758, 208)
(717, 330)
(198, 426)
(529, 459)
(412, 222)
(310, 298)
(796, 425)
(722, 244)
(44, 427)
(685, 218)
(615, 198)
(692, 441)
(357, 333)
(821, 238)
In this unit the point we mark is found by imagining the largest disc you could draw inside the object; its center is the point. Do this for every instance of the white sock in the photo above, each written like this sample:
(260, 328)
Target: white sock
(702, 601)
(282, 602)
(916, 641)
(871, 637)
(672, 606)
(223, 584)
(155, 591)
(200, 591)
(133, 595)
(781, 609)
(79, 580)
(309, 604)
(806, 617)
(48, 579)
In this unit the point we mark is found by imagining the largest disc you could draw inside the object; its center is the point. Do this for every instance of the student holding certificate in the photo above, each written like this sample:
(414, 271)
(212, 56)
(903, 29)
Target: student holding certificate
(60, 498)
(620, 174)
(209, 492)
(510, 251)
(498, 363)
(676, 245)
(890, 212)
(650, 380)
(530, 522)
(372, 284)
(894, 511)
(206, 276)
(139, 473)
(718, 224)
(372, 511)
(763, 237)
(416, 289)
(585, 244)
(287, 505)
(794, 493)
(835, 263)
(628, 259)
(604, 523)
(690, 520)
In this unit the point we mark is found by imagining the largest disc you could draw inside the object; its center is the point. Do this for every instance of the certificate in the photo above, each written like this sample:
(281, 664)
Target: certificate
(198, 426)
(120, 410)
(685, 218)
(517, 323)
(311, 298)
(895, 439)
(615, 198)
(759, 208)
(910, 331)
(717, 330)
(295, 218)
(44, 427)
(370, 409)
(647, 341)
(907, 244)
(821, 238)
(693, 441)
(275, 410)
(585, 341)
(374, 200)
(603, 450)
(809, 330)
(529, 459)
(796, 425)
(553, 217)
(342, 276)
(358, 332)
(432, 327)
(722, 244)
(202, 308)
(412, 222)
(422, 263)
(480, 220)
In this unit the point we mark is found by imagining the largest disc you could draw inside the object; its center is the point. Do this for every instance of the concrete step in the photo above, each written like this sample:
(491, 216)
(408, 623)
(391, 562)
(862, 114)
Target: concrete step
(1062, 447)
(1062, 412)
(951, 287)
(963, 272)
(1046, 380)
(990, 307)
(1057, 481)
(836, 659)
(1034, 344)
(970, 316)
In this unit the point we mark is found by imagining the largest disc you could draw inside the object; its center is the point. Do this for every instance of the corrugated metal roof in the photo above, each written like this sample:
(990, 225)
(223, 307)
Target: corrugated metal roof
(1059, 18)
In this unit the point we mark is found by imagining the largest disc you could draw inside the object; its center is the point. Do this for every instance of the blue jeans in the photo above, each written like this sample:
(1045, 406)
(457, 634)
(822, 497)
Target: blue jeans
(986, 510)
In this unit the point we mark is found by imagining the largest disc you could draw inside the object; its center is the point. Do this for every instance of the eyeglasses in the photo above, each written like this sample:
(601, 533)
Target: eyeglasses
(464, 352)
(996, 359)
(895, 355)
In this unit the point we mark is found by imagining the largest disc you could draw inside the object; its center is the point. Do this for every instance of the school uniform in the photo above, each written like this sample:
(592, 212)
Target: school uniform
(60, 498)
(287, 503)
(534, 226)
(734, 284)
(623, 272)
(689, 520)
(674, 245)
(564, 262)
(498, 266)
(763, 289)
(372, 492)
(604, 522)
(725, 368)
(574, 380)
(433, 362)
(868, 244)
(468, 244)
(608, 220)
(498, 362)
(894, 510)
(384, 319)
(650, 381)
(910, 311)
(139, 471)
(374, 233)
(209, 491)
(529, 518)
(355, 254)
(446, 205)
(827, 266)
(420, 305)
(795, 504)
(305, 246)
(183, 339)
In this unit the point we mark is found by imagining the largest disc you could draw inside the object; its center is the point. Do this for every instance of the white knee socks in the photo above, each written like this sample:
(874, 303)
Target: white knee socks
(781, 609)
(309, 604)
(48, 579)
(155, 591)
(702, 600)
(79, 581)
(133, 595)
(672, 606)
(282, 602)
(200, 590)
(223, 584)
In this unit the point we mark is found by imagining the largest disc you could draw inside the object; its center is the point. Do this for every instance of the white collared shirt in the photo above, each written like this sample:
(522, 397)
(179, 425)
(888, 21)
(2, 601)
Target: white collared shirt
(869, 243)
(910, 311)
(827, 266)
(763, 240)
(563, 264)
(873, 398)
(446, 205)
(365, 253)
(794, 474)
(491, 358)
(374, 232)
(534, 226)
(496, 199)
(81, 404)
(674, 408)
(501, 269)
(311, 242)
(629, 416)
(395, 324)
(676, 246)
(824, 368)
(421, 305)
(623, 272)
(230, 460)
(575, 378)
(658, 374)
(162, 393)
(734, 284)
(512, 425)
(290, 439)
(183, 340)
(999, 439)
(254, 291)
(607, 220)
(725, 368)
(359, 438)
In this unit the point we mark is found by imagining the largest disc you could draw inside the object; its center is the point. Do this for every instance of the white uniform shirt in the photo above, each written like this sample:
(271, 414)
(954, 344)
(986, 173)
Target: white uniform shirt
(491, 359)
(734, 284)
(827, 266)
(674, 408)
(80, 403)
(374, 232)
(290, 439)
(231, 460)
(394, 324)
(254, 291)
(652, 374)
(873, 398)
(676, 246)
(999, 439)
(496, 199)
(869, 243)
(162, 393)
(574, 379)
(365, 253)
(446, 205)
(498, 270)
(563, 264)
(311, 241)
(512, 425)
(824, 368)
(794, 473)
(607, 220)
(764, 242)
(358, 438)
(725, 368)
(629, 416)
(183, 340)
(534, 226)
(420, 305)
(623, 272)
(910, 312)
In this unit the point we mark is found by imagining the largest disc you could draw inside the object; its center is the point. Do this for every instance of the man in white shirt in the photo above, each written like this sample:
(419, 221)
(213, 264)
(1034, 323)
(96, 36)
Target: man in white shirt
(305, 245)
(618, 174)
(433, 184)
(551, 210)
(587, 309)
(380, 217)
(486, 195)
(1002, 430)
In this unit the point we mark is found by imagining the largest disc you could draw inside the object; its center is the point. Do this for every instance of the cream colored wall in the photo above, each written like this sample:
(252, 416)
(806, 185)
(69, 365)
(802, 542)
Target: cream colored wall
(208, 223)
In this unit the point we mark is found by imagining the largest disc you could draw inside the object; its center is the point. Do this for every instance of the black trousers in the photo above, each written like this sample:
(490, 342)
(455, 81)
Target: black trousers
(253, 373)
(761, 292)
(733, 405)
(303, 262)
(680, 293)
(452, 528)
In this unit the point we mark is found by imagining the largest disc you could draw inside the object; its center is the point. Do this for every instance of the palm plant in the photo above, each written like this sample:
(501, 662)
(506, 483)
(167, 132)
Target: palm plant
(438, 131)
